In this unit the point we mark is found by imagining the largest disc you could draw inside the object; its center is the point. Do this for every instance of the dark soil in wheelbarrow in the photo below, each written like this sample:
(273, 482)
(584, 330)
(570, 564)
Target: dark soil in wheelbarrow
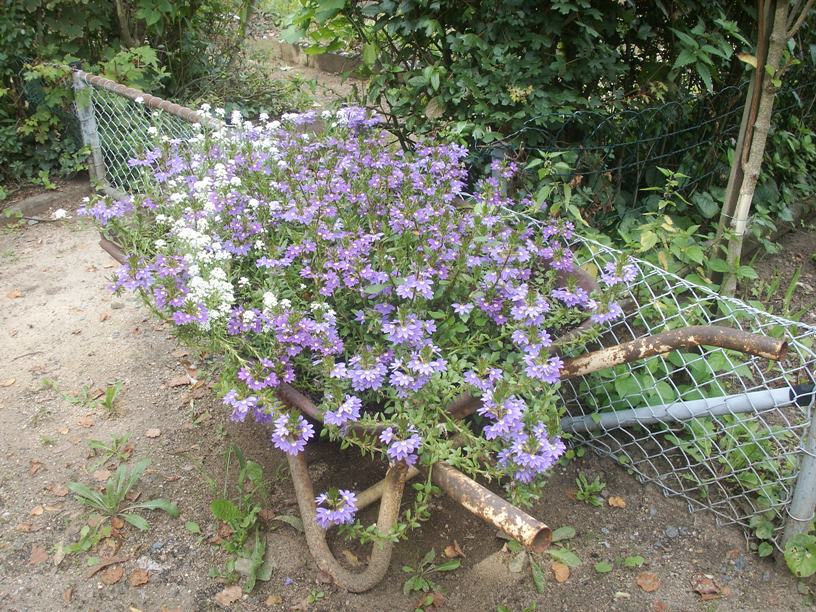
(63, 336)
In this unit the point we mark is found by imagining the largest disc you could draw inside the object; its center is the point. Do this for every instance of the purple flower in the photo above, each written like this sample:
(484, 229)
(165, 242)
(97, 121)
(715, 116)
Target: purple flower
(335, 508)
(615, 273)
(605, 315)
(291, 433)
(571, 298)
(348, 411)
(399, 449)
(462, 309)
(414, 285)
(240, 407)
(545, 370)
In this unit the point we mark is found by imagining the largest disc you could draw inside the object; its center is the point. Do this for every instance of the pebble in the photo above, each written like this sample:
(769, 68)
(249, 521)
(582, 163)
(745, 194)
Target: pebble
(117, 305)
(652, 512)
(604, 530)
(672, 532)
(740, 563)
(157, 546)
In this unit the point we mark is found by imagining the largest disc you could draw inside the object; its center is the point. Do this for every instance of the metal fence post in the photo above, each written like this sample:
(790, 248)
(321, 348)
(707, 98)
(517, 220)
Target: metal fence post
(87, 124)
(803, 502)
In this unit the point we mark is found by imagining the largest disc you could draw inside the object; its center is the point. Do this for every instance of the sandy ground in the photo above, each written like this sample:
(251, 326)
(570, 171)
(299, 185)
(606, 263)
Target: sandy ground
(61, 330)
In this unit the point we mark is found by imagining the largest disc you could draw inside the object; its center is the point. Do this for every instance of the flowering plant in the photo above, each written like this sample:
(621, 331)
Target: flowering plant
(364, 275)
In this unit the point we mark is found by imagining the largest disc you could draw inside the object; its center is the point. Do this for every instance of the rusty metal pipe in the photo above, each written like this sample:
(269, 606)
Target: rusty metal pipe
(375, 491)
(525, 529)
(316, 536)
(113, 249)
(665, 342)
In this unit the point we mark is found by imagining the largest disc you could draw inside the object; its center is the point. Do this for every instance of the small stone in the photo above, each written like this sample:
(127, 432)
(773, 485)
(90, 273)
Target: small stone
(652, 512)
(604, 530)
(157, 546)
(117, 305)
(672, 532)
(740, 563)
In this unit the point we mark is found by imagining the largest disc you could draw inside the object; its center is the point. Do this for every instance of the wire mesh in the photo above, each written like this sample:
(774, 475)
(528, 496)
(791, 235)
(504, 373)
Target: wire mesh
(742, 464)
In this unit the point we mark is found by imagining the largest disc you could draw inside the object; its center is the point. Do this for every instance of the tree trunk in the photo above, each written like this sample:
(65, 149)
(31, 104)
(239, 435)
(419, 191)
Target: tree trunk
(753, 165)
(124, 25)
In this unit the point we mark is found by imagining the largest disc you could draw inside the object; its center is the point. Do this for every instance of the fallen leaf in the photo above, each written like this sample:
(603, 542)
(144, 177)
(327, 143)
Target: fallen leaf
(85, 421)
(616, 502)
(351, 558)
(660, 606)
(112, 575)
(706, 587)
(35, 466)
(37, 510)
(97, 393)
(91, 268)
(101, 475)
(38, 555)
(132, 495)
(117, 523)
(200, 393)
(26, 528)
(228, 596)
(430, 600)
(8, 382)
(60, 490)
(104, 316)
(273, 600)
(153, 433)
(59, 555)
(647, 581)
(103, 563)
(560, 572)
(179, 381)
(453, 550)
(68, 595)
(53, 508)
(64, 430)
(138, 578)
(14, 294)
(166, 609)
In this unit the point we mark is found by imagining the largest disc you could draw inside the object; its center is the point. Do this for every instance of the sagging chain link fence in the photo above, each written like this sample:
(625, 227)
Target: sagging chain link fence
(728, 432)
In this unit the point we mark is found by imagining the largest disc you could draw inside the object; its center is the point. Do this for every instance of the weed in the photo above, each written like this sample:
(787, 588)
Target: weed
(111, 396)
(589, 492)
(314, 596)
(240, 513)
(117, 449)
(112, 502)
(420, 578)
(85, 397)
(47, 441)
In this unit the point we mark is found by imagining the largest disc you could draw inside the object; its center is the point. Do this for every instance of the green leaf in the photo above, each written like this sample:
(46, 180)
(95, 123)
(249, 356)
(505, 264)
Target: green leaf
(159, 504)
(705, 73)
(648, 239)
(603, 567)
(800, 555)
(292, 521)
(375, 288)
(765, 549)
(634, 561)
(369, 54)
(137, 521)
(567, 557)
(224, 510)
(448, 566)
(192, 527)
(563, 533)
(538, 577)
(514, 547)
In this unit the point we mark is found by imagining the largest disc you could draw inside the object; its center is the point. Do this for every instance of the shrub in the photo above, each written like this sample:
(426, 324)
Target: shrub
(362, 274)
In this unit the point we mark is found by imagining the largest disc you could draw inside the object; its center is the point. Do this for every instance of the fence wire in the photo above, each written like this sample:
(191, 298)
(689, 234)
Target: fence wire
(716, 427)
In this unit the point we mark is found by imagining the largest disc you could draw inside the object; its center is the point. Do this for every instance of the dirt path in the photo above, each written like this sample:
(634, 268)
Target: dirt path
(61, 331)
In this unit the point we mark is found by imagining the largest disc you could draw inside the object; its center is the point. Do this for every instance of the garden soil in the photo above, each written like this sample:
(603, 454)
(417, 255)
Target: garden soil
(61, 331)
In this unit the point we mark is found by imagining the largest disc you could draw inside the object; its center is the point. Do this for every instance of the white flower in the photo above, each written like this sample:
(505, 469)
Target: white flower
(206, 107)
(152, 130)
(58, 214)
(139, 100)
(243, 281)
(235, 181)
(263, 116)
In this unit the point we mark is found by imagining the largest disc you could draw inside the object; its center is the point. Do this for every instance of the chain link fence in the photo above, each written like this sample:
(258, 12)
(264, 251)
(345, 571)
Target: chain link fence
(727, 432)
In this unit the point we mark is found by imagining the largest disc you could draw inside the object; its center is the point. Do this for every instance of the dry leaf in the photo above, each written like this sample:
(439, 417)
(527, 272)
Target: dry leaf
(64, 429)
(647, 581)
(616, 502)
(351, 558)
(38, 555)
(112, 575)
(228, 596)
(705, 587)
(8, 382)
(179, 381)
(37, 510)
(153, 433)
(97, 393)
(437, 601)
(273, 600)
(68, 595)
(101, 475)
(53, 508)
(453, 550)
(25, 528)
(179, 353)
(14, 294)
(35, 466)
(60, 490)
(660, 606)
(117, 523)
(138, 578)
(560, 572)
(85, 421)
(104, 316)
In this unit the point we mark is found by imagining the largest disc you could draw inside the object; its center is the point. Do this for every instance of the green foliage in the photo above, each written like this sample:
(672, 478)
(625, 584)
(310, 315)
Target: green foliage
(589, 492)
(112, 501)
(800, 555)
(420, 575)
(117, 450)
(246, 541)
